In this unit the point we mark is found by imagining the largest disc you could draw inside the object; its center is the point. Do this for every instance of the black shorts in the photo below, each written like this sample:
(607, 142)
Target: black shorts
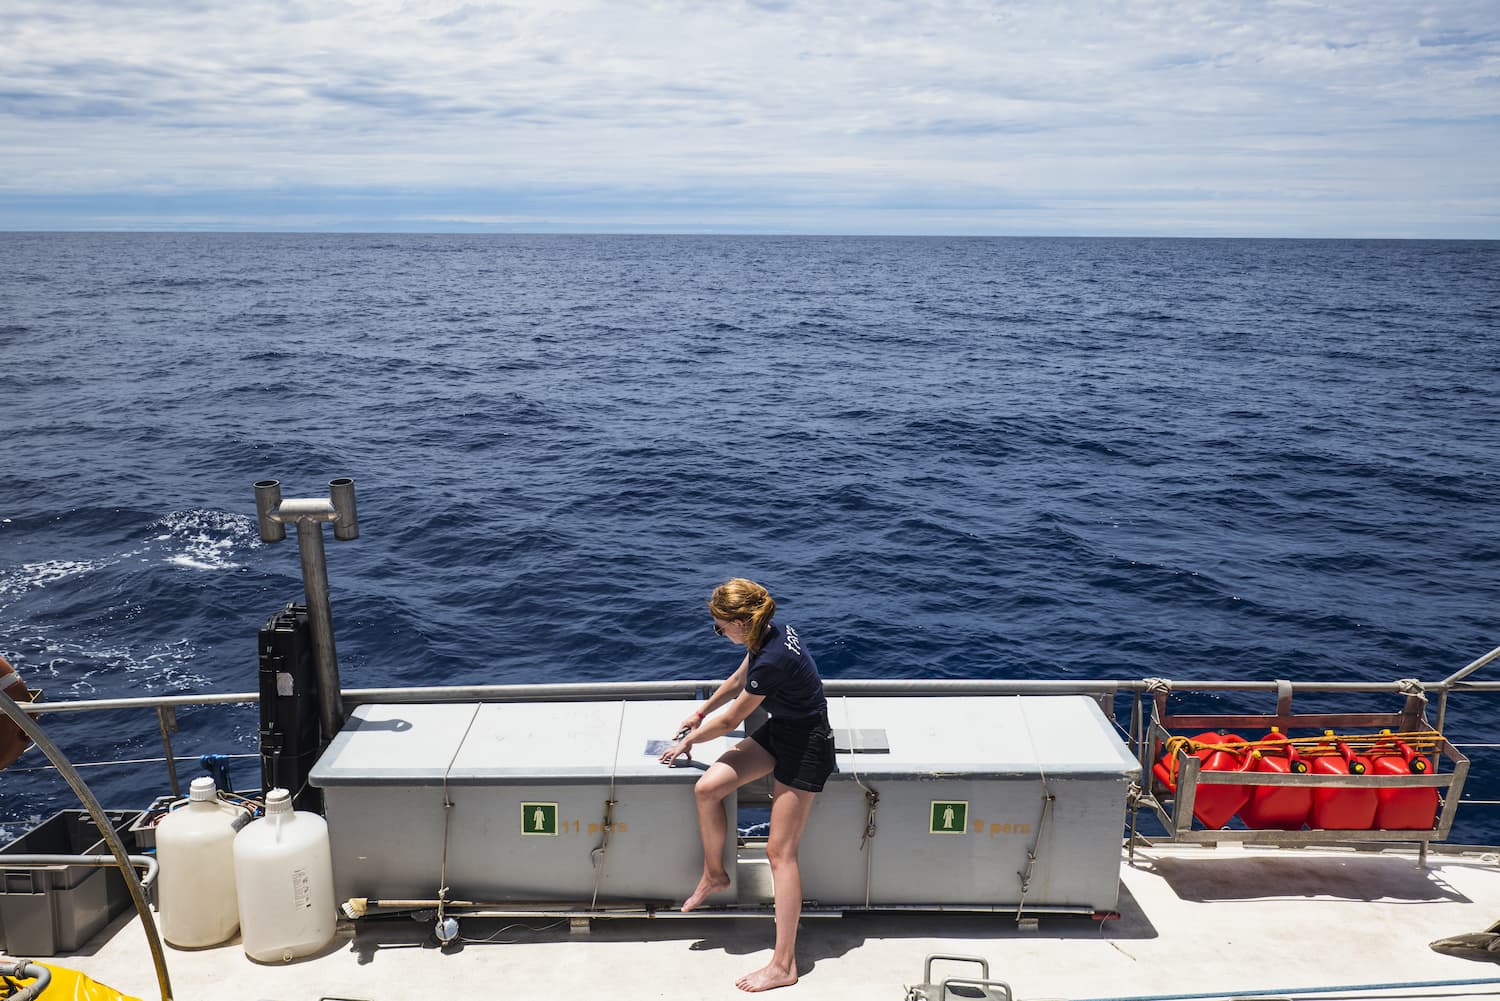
(802, 748)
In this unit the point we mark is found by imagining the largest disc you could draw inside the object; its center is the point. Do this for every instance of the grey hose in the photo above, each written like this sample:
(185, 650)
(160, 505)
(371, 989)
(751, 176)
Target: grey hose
(146, 862)
(25, 969)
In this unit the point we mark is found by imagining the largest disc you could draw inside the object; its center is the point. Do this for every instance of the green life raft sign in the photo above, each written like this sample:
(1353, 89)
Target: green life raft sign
(539, 818)
(948, 817)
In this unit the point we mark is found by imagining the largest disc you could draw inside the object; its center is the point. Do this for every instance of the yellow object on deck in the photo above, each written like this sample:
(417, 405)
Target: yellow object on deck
(66, 985)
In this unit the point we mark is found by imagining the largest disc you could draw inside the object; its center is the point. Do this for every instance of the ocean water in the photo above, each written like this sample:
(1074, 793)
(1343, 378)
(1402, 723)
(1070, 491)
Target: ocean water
(965, 458)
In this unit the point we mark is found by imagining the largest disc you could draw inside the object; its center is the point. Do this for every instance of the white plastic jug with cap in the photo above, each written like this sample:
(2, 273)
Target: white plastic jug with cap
(284, 869)
(195, 887)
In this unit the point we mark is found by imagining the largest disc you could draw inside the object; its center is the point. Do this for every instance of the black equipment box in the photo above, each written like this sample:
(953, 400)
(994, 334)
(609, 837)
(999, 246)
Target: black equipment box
(291, 734)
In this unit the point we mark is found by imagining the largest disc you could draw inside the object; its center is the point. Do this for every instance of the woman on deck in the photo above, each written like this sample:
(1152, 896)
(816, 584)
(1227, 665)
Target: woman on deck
(795, 746)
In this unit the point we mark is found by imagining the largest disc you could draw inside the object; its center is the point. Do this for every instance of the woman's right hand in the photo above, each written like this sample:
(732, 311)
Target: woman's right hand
(690, 724)
(681, 749)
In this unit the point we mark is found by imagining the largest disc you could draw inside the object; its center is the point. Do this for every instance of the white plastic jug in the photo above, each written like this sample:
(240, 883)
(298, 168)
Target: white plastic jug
(195, 886)
(284, 869)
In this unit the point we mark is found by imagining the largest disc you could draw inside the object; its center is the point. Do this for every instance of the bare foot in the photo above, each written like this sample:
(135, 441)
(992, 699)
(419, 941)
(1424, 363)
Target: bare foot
(767, 978)
(707, 886)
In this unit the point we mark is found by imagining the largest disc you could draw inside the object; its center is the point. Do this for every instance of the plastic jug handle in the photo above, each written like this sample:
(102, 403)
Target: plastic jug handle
(1414, 761)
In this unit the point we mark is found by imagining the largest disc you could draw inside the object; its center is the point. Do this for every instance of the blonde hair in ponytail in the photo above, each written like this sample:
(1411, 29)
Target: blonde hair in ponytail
(741, 600)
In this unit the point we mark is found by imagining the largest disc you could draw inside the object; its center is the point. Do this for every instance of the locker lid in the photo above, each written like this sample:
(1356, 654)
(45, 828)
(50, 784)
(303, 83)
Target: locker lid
(409, 744)
(551, 742)
(982, 736)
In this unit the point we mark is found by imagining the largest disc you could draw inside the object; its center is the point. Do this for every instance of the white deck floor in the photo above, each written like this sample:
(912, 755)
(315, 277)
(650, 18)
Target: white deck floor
(1193, 921)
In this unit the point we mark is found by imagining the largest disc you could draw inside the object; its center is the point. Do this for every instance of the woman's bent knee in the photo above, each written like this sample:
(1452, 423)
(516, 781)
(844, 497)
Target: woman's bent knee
(712, 789)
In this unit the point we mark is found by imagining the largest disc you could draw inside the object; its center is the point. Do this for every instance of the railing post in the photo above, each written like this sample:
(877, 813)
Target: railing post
(166, 719)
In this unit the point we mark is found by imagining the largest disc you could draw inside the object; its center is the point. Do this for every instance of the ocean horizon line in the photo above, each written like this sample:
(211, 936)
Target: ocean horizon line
(730, 233)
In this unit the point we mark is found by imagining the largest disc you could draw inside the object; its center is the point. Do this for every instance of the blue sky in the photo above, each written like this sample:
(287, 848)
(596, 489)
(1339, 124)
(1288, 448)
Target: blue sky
(1376, 118)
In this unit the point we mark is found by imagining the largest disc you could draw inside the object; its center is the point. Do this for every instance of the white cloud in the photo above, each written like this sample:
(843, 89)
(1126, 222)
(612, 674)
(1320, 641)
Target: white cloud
(1043, 116)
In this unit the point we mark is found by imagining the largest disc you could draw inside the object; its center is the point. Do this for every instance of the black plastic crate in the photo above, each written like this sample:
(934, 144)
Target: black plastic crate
(45, 910)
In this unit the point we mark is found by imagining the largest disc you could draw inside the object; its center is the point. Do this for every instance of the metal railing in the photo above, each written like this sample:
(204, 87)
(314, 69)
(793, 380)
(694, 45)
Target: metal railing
(1147, 724)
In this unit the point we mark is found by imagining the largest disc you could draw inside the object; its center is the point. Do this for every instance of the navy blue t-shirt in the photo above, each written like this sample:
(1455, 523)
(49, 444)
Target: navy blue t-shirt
(785, 674)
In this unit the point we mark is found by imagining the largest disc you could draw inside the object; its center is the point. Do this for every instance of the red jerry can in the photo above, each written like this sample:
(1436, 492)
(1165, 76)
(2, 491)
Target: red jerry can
(1412, 809)
(1165, 768)
(1281, 808)
(1341, 809)
(1213, 805)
